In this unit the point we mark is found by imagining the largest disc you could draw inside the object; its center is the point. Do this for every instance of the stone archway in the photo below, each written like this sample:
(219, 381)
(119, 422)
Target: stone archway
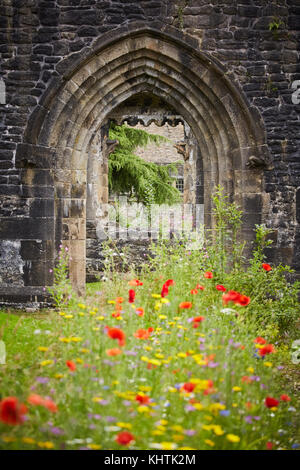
(63, 132)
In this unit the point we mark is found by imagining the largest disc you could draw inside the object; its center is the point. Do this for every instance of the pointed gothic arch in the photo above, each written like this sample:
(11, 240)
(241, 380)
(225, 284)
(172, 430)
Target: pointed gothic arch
(63, 133)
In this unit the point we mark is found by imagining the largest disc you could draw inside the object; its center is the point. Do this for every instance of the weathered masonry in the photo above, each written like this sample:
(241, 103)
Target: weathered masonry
(226, 67)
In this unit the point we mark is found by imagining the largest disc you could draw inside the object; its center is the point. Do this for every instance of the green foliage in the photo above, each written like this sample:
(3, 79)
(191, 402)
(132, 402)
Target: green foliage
(61, 291)
(275, 25)
(225, 250)
(146, 182)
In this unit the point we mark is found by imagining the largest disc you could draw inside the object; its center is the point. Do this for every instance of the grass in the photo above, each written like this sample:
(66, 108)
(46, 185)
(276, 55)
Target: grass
(161, 379)
(98, 400)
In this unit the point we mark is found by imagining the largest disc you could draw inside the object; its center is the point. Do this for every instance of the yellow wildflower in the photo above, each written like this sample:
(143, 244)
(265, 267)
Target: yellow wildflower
(145, 388)
(75, 339)
(46, 363)
(8, 439)
(97, 399)
(94, 446)
(215, 408)
(143, 409)
(28, 440)
(218, 430)
(58, 376)
(177, 428)
(168, 445)
(181, 354)
(124, 425)
(42, 348)
(233, 438)
(209, 442)
(46, 445)
(198, 406)
(178, 437)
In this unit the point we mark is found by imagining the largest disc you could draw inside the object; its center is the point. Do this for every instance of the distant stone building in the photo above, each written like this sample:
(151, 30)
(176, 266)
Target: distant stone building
(227, 69)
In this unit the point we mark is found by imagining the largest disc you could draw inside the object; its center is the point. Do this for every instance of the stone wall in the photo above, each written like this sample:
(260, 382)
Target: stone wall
(165, 152)
(39, 40)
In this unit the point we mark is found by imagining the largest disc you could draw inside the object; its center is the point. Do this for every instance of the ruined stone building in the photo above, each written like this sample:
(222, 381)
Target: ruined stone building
(228, 69)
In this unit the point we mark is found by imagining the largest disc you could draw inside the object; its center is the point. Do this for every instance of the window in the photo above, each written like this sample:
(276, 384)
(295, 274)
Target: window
(180, 184)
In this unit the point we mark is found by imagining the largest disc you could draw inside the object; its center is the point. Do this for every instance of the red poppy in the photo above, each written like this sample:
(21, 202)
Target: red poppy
(164, 291)
(243, 300)
(271, 402)
(194, 291)
(260, 340)
(143, 334)
(151, 366)
(231, 296)
(185, 305)
(285, 398)
(188, 387)
(124, 438)
(221, 288)
(50, 405)
(143, 399)
(197, 321)
(267, 349)
(169, 283)
(208, 275)
(131, 296)
(246, 379)
(71, 365)
(116, 333)
(113, 352)
(198, 286)
(266, 267)
(269, 445)
(236, 297)
(36, 400)
(140, 311)
(116, 314)
(11, 411)
(135, 283)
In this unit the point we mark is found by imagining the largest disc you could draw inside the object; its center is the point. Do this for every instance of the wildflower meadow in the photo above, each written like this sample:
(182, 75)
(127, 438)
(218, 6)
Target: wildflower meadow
(193, 351)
